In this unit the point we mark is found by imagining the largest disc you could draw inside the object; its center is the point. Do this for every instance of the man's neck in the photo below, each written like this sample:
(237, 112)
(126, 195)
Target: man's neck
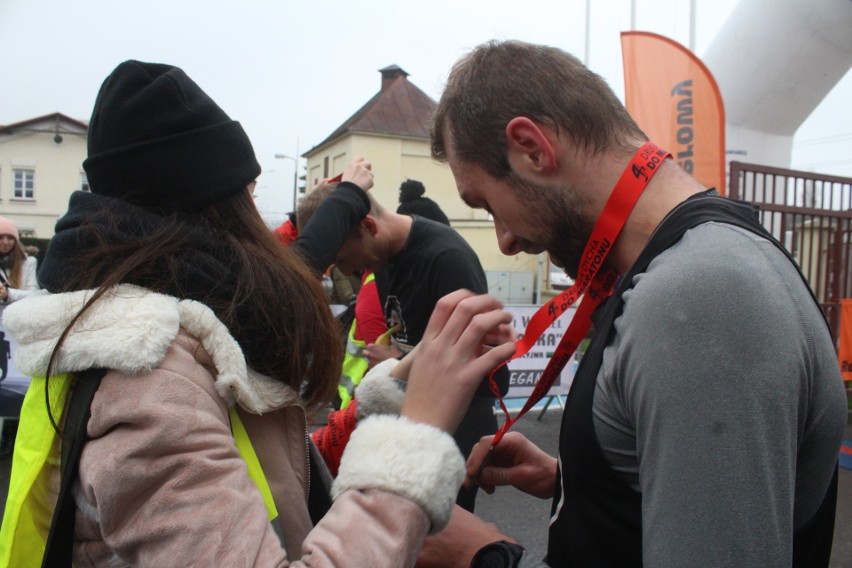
(397, 228)
(669, 187)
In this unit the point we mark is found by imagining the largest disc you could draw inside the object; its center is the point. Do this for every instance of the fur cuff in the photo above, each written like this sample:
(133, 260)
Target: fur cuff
(379, 392)
(414, 460)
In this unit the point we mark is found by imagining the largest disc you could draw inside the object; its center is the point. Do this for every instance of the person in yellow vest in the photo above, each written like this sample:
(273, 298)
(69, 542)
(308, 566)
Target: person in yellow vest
(217, 344)
(368, 327)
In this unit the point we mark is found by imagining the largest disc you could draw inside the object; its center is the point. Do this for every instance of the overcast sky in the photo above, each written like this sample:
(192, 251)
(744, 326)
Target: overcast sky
(292, 71)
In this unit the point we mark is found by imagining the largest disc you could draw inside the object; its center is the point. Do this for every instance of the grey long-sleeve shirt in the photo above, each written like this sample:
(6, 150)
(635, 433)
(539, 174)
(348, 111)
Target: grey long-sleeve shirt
(720, 400)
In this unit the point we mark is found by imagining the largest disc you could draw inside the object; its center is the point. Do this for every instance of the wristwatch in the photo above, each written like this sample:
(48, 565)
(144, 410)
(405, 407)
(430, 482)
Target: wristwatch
(500, 554)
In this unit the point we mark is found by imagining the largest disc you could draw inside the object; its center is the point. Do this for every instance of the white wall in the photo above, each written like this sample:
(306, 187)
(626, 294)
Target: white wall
(58, 169)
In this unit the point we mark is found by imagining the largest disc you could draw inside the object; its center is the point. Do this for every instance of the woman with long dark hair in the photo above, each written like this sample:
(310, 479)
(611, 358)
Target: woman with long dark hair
(17, 270)
(217, 344)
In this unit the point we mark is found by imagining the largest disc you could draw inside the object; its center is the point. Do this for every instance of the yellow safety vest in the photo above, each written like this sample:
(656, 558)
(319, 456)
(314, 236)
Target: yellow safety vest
(354, 364)
(354, 368)
(29, 505)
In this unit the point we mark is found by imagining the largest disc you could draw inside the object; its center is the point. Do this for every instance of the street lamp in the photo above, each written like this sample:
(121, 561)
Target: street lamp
(295, 171)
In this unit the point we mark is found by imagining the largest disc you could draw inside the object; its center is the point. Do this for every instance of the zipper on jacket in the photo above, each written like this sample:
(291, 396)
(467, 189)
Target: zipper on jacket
(307, 459)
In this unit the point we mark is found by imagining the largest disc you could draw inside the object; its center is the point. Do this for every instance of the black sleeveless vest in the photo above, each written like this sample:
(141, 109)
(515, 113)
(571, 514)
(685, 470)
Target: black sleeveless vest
(597, 516)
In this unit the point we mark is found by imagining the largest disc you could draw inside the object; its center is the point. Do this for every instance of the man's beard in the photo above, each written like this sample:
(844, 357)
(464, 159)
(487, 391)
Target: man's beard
(565, 229)
(566, 242)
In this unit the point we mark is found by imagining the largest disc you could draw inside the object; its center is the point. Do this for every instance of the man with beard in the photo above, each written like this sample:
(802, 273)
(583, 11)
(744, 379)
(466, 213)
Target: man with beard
(703, 423)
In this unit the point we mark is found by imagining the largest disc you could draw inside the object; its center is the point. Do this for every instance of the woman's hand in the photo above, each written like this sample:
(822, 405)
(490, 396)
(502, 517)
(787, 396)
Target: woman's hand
(454, 355)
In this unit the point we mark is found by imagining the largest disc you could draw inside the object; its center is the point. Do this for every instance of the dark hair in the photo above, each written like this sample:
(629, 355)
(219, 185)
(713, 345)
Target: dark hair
(274, 307)
(15, 258)
(499, 81)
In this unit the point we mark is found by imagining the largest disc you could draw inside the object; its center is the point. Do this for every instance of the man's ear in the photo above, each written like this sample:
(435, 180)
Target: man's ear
(368, 224)
(530, 147)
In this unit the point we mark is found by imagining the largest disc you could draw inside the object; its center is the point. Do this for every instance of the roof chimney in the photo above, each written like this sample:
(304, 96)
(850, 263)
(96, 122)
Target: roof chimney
(390, 74)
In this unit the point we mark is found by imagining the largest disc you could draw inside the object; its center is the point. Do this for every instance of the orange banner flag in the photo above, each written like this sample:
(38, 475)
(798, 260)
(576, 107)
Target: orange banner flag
(674, 98)
(844, 344)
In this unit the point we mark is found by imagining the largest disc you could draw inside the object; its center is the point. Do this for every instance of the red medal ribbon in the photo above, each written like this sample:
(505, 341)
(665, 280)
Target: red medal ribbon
(595, 283)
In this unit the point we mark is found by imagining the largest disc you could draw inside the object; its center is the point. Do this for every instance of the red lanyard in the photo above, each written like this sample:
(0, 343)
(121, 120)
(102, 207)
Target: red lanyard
(597, 284)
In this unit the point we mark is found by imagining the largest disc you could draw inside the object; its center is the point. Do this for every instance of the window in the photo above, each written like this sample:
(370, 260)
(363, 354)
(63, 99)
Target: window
(24, 184)
(84, 182)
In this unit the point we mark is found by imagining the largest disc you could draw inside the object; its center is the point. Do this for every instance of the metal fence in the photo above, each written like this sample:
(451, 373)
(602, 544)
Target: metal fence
(811, 215)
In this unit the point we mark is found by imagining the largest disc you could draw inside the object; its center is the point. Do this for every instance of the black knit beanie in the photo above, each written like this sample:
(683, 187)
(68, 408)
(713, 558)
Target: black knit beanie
(410, 189)
(157, 140)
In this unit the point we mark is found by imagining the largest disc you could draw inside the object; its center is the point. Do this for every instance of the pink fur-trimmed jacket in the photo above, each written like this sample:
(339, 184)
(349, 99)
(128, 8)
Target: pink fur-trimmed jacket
(161, 482)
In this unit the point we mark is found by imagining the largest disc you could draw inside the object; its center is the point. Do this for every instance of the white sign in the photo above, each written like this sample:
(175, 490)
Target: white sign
(525, 371)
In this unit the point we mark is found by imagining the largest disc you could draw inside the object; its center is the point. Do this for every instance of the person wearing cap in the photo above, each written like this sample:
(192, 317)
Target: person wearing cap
(17, 270)
(217, 344)
(17, 281)
(412, 202)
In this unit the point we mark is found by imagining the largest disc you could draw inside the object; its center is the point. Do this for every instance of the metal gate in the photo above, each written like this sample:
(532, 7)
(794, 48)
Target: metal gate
(811, 215)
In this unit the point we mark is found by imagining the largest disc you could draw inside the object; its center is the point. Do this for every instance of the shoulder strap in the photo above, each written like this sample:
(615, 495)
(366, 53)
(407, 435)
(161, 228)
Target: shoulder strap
(60, 539)
(319, 492)
(702, 208)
